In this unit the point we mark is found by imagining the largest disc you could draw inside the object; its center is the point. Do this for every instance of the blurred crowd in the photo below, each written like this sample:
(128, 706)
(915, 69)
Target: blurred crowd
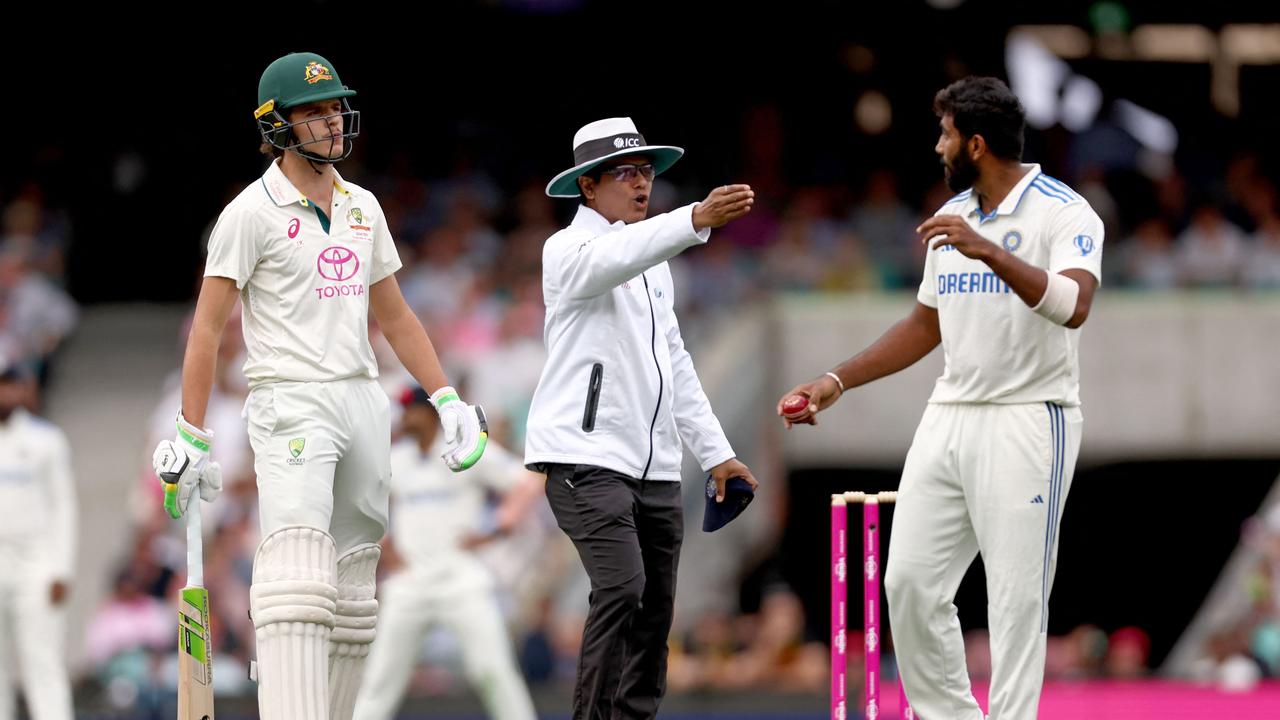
(1246, 649)
(36, 313)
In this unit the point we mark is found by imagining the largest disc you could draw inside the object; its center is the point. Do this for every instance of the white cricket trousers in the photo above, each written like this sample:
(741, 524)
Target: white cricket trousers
(410, 607)
(35, 630)
(979, 478)
(322, 453)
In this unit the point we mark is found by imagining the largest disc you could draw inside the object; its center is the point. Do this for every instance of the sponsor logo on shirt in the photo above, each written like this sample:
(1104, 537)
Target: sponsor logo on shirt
(294, 225)
(338, 264)
(332, 291)
(971, 283)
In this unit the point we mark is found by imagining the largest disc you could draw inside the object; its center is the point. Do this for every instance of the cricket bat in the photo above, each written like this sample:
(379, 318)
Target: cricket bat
(195, 649)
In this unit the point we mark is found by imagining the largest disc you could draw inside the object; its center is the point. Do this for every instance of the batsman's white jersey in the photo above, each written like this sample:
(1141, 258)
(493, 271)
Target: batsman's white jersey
(432, 511)
(992, 461)
(37, 548)
(304, 277)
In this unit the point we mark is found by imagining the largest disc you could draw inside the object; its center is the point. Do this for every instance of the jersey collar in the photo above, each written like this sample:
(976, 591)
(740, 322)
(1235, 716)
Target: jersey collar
(282, 192)
(1010, 204)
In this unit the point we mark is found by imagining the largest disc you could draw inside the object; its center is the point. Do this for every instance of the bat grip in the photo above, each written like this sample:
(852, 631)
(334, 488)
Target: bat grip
(195, 547)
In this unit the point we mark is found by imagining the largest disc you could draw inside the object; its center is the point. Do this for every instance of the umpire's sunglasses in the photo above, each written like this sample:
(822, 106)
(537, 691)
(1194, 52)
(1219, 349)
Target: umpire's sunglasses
(627, 173)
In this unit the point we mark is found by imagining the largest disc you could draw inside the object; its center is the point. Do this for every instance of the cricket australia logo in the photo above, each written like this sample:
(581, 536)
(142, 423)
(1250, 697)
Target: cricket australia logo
(1085, 243)
(296, 446)
(711, 487)
(355, 216)
(317, 72)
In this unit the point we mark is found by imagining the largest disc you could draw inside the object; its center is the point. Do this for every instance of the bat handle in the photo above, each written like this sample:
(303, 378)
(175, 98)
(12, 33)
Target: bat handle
(195, 546)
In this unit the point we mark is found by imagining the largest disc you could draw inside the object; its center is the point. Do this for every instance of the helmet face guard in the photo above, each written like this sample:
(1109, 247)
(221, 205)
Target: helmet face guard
(279, 133)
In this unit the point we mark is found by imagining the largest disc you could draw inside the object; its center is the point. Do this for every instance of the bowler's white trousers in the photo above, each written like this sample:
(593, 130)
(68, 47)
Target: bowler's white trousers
(979, 478)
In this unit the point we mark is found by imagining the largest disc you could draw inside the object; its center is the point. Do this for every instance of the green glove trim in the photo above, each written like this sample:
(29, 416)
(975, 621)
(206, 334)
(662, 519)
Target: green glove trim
(474, 457)
(192, 440)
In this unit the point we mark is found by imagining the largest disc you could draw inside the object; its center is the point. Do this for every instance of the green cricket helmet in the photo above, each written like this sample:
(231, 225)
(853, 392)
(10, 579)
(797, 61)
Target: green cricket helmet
(297, 79)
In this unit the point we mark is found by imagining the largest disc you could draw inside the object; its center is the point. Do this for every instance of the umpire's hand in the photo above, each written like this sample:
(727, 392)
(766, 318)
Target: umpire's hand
(728, 469)
(725, 203)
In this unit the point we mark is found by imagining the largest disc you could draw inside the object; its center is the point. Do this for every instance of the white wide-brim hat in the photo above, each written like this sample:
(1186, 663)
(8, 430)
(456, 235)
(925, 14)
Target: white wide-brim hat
(603, 139)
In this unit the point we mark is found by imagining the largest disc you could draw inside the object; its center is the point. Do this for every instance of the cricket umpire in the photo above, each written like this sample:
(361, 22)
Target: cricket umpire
(616, 398)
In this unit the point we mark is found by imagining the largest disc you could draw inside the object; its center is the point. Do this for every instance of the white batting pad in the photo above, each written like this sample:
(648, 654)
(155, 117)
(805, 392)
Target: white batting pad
(293, 599)
(354, 628)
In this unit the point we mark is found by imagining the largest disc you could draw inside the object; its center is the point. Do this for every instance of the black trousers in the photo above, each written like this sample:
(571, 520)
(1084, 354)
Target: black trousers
(628, 534)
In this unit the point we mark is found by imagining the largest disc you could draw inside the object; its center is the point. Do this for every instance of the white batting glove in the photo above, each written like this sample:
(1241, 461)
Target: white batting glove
(465, 431)
(183, 464)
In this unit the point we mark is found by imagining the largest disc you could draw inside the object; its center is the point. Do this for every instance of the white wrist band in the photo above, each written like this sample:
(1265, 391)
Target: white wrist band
(1059, 301)
(836, 377)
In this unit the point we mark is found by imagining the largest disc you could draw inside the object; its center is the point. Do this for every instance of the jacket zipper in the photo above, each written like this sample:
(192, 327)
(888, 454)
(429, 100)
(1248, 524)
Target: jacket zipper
(653, 339)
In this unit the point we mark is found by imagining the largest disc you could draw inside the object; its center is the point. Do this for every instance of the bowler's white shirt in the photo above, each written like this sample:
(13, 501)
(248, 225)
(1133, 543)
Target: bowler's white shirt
(997, 349)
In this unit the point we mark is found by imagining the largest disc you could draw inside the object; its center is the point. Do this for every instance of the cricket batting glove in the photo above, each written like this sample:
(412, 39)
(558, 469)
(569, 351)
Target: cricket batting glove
(465, 431)
(183, 464)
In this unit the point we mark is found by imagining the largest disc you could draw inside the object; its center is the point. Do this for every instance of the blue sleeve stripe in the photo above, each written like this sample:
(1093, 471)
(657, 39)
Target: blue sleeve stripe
(1050, 192)
(1061, 186)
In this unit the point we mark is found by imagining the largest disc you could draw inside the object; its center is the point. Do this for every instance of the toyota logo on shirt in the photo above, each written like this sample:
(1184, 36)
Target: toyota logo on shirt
(337, 263)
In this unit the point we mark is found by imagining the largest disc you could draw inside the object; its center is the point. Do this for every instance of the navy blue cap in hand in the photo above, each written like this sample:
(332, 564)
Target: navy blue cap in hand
(737, 496)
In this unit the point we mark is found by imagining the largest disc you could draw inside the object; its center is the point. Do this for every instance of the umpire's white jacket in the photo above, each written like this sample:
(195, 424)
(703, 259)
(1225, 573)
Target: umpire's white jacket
(619, 389)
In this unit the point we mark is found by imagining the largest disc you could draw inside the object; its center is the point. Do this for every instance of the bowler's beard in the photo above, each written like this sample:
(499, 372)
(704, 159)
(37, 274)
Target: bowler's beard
(961, 173)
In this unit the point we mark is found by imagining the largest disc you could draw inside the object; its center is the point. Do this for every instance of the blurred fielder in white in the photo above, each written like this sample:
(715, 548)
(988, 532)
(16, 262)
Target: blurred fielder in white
(37, 552)
(437, 520)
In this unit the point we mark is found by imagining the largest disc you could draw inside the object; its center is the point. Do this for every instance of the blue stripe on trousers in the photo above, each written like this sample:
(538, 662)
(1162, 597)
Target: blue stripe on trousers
(1057, 433)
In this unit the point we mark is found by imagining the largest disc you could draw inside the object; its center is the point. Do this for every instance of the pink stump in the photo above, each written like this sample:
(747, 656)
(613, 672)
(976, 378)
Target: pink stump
(839, 597)
(871, 602)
